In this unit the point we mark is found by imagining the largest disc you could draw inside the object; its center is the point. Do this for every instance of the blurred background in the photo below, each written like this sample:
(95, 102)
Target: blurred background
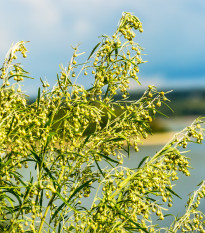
(173, 38)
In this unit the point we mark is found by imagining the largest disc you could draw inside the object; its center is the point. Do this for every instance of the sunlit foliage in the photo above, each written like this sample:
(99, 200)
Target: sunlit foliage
(64, 139)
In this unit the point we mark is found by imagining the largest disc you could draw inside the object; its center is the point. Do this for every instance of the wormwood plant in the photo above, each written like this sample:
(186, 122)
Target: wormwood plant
(62, 142)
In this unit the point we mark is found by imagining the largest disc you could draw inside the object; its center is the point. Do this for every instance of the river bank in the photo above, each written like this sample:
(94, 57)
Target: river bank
(173, 125)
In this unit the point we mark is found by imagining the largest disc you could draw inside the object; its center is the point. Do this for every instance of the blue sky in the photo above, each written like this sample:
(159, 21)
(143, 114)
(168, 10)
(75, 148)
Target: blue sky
(173, 37)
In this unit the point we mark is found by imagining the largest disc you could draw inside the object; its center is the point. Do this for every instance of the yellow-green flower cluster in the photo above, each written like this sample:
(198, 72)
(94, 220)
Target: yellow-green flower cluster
(66, 136)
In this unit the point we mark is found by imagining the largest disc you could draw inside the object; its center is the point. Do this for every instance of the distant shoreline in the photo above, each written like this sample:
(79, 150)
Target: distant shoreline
(158, 139)
(175, 125)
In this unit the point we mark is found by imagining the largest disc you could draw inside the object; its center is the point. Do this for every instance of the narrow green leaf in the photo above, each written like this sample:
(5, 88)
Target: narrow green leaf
(49, 119)
(149, 198)
(38, 98)
(41, 199)
(59, 83)
(79, 188)
(93, 50)
(18, 178)
(10, 200)
(56, 212)
(7, 162)
(139, 83)
(148, 129)
(200, 183)
(50, 175)
(48, 140)
(171, 191)
(161, 113)
(115, 140)
(99, 167)
(28, 187)
(11, 187)
(106, 93)
(168, 106)
(63, 199)
(116, 49)
(42, 80)
(123, 184)
(156, 193)
(86, 140)
(108, 158)
(38, 160)
(59, 228)
(128, 149)
(36, 156)
(37, 200)
(107, 108)
(14, 194)
(142, 161)
(21, 75)
(166, 215)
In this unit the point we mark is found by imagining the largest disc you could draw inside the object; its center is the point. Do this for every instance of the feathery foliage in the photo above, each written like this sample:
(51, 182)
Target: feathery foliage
(63, 146)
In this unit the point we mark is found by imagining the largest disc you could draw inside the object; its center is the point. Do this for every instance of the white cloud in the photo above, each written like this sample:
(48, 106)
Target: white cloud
(179, 83)
(82, 27)
(42, 14)
(157, 80)
(173, 31)
(185, 83)
(162, 82)
(95, 6)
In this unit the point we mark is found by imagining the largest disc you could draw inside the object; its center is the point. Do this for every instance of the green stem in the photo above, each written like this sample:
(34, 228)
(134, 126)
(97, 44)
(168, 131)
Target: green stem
(46, 212)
